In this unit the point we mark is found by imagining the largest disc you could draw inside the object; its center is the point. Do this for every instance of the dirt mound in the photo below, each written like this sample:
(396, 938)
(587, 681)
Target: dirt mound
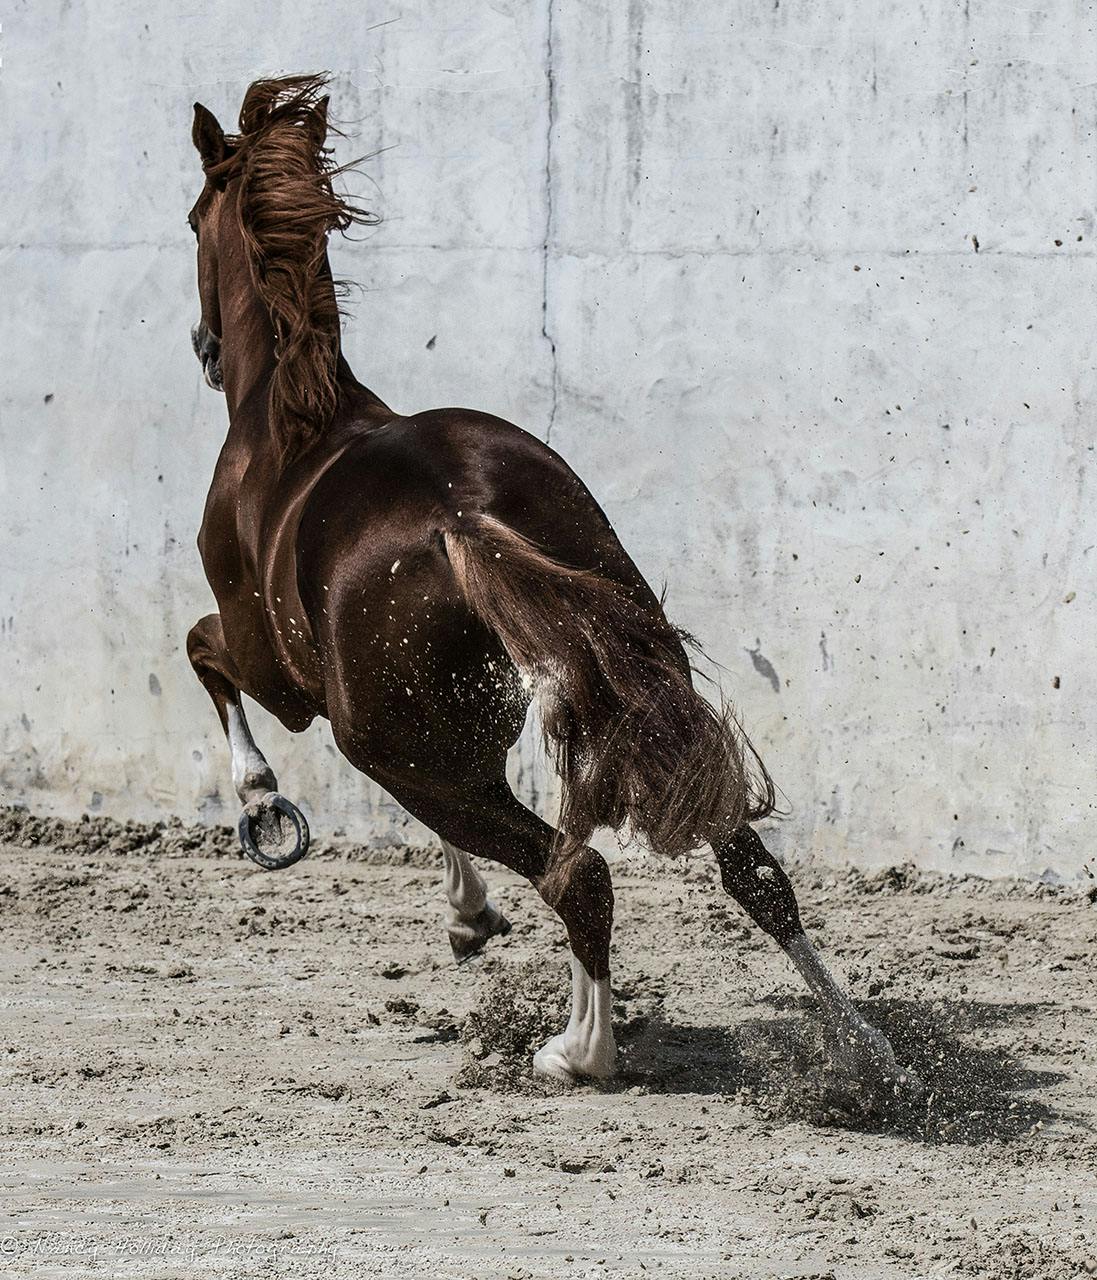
(174, 838)
(91, 834)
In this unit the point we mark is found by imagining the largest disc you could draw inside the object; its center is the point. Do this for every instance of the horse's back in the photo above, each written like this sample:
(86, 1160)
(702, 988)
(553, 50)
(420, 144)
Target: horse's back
(395, 630)
(397, 488)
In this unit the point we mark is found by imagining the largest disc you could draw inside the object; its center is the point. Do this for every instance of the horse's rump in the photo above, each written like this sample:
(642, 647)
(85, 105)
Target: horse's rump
(632, 739)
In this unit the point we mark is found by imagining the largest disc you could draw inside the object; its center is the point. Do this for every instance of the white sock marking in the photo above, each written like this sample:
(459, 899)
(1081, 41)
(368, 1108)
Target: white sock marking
(247, 759)
(830, 995)
(856, 1038)
(465, 887)
(586, 1046)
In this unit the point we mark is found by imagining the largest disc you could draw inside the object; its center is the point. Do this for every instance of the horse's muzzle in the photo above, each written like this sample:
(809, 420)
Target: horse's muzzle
(207, 348)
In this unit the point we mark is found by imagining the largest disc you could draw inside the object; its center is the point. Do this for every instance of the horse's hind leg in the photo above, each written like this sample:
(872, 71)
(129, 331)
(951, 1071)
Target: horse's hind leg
(472, 917)
(753, 877)
(491, 822)
(580, 891)
(273, 831)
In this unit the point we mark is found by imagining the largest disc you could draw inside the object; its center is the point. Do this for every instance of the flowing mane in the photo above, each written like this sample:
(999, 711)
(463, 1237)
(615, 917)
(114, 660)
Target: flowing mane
(287, 205)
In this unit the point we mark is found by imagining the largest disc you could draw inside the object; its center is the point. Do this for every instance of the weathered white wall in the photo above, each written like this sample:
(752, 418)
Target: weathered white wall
(723, 255)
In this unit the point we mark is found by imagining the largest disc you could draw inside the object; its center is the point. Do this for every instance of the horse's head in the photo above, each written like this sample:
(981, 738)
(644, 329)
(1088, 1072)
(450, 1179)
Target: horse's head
(262, 222)
(204, 220)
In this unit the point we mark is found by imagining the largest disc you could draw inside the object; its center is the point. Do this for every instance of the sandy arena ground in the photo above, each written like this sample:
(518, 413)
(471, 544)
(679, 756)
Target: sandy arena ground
(209, 1070)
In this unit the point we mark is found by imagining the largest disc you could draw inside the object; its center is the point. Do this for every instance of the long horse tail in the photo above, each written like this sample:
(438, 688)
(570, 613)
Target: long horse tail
(632, 740)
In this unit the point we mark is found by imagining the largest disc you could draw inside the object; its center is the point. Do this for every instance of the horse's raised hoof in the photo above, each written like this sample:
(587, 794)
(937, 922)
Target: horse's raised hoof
(468, 937)
(563, 1058)
(273, 832)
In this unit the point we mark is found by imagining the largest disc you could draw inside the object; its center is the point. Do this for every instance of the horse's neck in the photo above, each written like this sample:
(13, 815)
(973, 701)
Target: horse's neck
(248, 358)
(247, 339)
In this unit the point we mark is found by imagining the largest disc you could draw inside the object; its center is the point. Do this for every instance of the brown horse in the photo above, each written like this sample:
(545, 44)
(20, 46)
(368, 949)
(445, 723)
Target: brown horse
(418, 579)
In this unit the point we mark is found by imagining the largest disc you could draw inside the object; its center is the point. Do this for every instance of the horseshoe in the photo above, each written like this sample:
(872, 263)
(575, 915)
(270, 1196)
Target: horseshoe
(278, 802)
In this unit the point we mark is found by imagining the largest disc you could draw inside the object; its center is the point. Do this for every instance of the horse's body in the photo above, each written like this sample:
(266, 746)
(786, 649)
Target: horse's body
(416, 580)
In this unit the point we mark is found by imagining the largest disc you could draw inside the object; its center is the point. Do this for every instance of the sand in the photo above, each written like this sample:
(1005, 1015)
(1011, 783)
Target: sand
(210, 1070)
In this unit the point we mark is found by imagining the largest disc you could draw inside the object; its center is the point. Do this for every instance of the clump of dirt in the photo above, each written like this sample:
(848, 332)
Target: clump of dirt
(1025, 1256)
(520, 1006)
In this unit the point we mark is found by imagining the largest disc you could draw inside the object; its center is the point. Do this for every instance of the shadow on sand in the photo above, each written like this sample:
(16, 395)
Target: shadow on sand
(974, 1092)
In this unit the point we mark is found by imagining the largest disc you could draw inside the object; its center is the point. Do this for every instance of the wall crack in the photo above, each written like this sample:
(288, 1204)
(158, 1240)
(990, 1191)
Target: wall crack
(550, 220)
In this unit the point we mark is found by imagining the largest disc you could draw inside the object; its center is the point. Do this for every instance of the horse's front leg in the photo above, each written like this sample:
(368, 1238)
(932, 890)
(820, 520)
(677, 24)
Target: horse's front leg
(753, 877)
(273, 831)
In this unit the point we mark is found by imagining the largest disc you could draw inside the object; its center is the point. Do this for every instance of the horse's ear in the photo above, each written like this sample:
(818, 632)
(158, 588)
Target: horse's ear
(317, 123)
(208, 137)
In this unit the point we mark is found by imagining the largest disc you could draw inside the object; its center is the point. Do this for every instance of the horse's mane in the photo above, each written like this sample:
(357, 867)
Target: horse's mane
(287, 205)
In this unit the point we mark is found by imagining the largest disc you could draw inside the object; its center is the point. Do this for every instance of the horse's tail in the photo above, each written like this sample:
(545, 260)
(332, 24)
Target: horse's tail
(632, 740)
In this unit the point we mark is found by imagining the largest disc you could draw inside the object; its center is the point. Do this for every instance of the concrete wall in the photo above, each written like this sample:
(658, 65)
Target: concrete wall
(805, 291)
